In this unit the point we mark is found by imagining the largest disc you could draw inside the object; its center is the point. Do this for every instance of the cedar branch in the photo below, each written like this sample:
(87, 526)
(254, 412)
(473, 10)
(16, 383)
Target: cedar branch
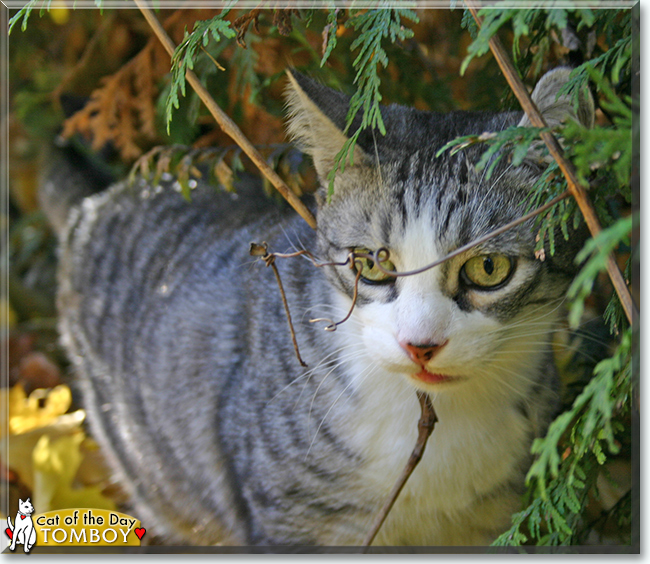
(576, 188)
(227, 125)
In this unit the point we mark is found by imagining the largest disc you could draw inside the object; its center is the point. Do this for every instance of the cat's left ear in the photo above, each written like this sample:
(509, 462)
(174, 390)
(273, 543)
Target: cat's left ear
(557, 109)
(316, 118)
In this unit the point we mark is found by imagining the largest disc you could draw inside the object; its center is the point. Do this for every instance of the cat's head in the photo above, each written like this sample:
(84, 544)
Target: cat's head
(456, 321)
(25, 507)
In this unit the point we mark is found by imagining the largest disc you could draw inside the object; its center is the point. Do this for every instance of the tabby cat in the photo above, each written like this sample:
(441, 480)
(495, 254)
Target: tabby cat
(188, 373)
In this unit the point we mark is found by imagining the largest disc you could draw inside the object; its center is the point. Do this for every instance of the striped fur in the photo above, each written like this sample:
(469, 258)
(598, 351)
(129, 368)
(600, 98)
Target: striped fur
(188, 374)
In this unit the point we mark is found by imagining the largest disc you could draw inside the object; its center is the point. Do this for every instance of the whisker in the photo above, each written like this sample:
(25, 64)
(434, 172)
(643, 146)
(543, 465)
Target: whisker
(339, 362)
(360, 377)
(321, 364)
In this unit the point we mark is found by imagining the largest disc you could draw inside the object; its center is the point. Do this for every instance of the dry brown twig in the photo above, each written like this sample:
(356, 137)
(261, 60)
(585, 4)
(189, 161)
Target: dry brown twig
(227, 125)
(577, 190)
(262, 251)
(426, 424)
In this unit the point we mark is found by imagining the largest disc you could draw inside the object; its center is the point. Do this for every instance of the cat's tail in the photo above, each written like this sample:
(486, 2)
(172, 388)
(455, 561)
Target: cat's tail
(70, 173)
(9, 524)
(67, 178)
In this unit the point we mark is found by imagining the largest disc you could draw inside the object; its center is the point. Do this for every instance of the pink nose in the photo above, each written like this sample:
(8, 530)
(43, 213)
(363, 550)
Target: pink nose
(422, 353)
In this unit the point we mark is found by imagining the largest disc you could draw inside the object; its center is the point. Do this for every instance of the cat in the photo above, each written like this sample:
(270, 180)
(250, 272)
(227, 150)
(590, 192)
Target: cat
(23, 531)
(187, 370)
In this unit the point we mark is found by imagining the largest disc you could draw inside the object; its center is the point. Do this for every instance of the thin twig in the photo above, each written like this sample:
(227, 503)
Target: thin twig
(269, 258)
(385, 254)
(427, 422)
(576, 188)
(227, 125)
(334, 324)
(464, 248)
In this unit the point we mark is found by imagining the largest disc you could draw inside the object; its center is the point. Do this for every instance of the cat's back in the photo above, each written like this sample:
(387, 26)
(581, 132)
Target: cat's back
(135, 246)
(153, 295)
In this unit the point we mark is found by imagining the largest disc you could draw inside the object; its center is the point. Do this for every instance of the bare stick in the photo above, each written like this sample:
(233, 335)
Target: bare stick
(261, 251)
(427, 422)
(577, 190)
(227, 125)
(471, 244)
(349, 261)
(334, 324)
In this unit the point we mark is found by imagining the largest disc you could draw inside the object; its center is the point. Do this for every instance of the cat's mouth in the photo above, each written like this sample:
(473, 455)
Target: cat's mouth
(433, 378)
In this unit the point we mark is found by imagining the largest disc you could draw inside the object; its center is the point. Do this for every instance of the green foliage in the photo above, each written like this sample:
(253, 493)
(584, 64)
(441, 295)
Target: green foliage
(330, 30)
(514, 143)
(220, 166)
(372, 27)
(531, 30)
(595, 252)
(24, 12)
(561, 482)
(589, 433)
(185, 54)
(580, 441)
(610, 147)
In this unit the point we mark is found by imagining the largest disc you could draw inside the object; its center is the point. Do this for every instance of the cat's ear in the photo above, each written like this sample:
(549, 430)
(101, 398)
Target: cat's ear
(557, 108)
(316, 118)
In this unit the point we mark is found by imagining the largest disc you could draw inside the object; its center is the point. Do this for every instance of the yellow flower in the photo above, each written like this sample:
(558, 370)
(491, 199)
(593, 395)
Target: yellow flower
(41, 409)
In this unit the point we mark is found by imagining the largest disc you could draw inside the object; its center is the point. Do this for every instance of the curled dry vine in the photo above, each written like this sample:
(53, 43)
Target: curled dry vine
(262, 251)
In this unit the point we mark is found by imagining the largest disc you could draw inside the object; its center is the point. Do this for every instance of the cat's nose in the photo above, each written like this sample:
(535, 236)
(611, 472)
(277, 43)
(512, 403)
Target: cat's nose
(421, 353)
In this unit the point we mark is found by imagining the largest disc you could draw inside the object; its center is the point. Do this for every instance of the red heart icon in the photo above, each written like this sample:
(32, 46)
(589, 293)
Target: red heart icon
(140, 532)
(10, 533)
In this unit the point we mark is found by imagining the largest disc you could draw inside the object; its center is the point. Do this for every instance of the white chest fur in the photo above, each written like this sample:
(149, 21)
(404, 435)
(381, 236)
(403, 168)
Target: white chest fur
(477, 446)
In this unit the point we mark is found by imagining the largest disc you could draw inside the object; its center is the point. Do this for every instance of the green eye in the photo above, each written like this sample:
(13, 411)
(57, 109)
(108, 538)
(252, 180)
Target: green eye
(487, 271)
(369, 271)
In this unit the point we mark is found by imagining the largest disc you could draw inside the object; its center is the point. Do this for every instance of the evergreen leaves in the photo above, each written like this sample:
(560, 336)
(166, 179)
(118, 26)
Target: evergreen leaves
(372, 28)
(185, 55)
(570, 458)
(562, 479)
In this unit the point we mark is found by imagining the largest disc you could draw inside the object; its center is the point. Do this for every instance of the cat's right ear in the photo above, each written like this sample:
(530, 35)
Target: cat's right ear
(315, 120)
(558, 108)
